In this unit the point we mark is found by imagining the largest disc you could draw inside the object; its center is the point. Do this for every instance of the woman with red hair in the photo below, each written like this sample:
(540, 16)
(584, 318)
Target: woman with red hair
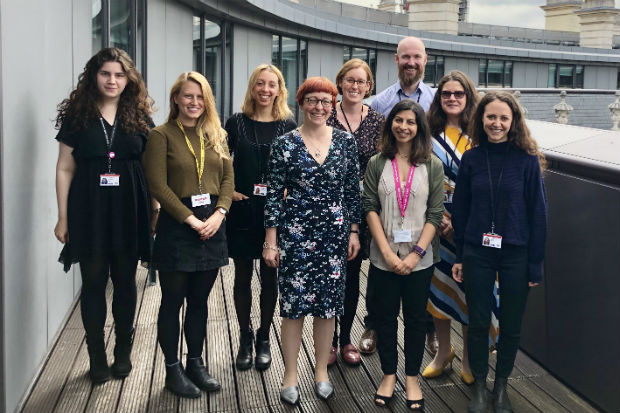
(312, 233)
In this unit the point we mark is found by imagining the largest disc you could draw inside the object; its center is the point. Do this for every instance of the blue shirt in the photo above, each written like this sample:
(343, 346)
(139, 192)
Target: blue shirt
(385, 101)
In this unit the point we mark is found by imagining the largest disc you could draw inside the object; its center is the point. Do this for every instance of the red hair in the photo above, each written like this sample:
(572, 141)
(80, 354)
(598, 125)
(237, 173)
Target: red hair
(316, 84)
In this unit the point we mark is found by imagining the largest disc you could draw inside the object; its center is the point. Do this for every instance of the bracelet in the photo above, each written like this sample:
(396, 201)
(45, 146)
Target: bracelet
(354, 231)
(419, 251)
(267, 246)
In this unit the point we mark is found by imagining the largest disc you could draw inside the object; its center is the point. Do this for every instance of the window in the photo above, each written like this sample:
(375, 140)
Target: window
(495, 73)
(434, 70)
(291, 56)
(565, 76)
(367, 55)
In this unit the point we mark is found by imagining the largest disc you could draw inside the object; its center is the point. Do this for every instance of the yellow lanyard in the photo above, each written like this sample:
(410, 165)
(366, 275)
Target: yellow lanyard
(199, 166)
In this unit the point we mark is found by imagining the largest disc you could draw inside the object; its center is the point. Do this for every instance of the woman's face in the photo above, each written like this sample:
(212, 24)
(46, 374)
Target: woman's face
(405, 126)
(496, 121)
(266, 89)
(190, 102)
(354, 85)
(111, 80)
(453, 98)
(317, 107)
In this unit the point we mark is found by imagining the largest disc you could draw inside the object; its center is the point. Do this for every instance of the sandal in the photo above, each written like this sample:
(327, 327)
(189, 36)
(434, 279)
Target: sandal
(382, 401)
(419, 408)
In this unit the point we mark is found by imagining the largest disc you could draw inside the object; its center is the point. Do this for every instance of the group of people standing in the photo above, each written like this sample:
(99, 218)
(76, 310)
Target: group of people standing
(444, 195)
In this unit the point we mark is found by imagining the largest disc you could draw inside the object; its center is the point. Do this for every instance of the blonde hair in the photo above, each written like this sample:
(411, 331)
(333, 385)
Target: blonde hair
(280, 109)
(351, 64)
(209, 122)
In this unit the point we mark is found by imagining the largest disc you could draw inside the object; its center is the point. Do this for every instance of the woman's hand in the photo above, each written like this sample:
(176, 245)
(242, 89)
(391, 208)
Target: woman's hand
(196, 224)
(62, 230)
(392, 261)
(445, 228)
(238, 196)
(409, 263)
(532, 284)
(271, 255)
(354, 246)
(457, 272)
(211, 225)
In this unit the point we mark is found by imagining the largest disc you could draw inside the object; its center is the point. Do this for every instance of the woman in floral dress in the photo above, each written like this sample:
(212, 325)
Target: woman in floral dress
(312, 232)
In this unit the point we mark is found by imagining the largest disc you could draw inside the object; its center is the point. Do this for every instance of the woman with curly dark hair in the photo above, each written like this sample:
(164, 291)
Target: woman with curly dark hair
(103, 200)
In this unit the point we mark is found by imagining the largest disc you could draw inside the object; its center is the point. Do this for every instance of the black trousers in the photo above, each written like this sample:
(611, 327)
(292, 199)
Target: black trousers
(175, 288)
(351, 297)
(412, 290)
(96, 270)
(480, 267)
(243, 294)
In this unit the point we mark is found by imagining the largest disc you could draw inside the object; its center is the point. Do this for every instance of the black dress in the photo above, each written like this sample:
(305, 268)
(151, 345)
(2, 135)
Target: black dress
(249, 142)
(106, 219)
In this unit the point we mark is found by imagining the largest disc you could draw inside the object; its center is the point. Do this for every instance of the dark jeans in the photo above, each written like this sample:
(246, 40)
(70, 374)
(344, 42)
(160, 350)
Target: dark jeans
(175, 288)
(351, 297)
(480, 267)
(412, 290)
(243, 294)
(96, 270)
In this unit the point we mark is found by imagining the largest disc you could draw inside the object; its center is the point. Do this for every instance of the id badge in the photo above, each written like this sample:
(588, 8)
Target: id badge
(448, 192)
(109, 180)
(491, 240)
(260, 189)
(200, 200)
(361, 186)
(402, 235)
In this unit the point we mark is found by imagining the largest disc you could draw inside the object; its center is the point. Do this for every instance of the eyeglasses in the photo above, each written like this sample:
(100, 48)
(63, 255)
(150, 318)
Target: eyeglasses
(312, 101)
(459, 94)
(350, 81)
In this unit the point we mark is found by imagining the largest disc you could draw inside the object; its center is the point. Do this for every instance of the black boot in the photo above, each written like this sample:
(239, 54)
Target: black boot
(197, 373)
(501, 402)
(263, 353)
(122, 352)
(99, 370)
(178, 383)
(479, 397)
(244, 356)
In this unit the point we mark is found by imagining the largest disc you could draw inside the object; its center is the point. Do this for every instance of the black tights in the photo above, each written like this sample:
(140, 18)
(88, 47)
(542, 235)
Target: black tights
(351, 297)
(175, 288)
(243, 294)
(96, 270)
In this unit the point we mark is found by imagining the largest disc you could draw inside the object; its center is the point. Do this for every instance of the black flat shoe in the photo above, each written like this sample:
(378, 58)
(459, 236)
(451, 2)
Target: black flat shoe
(99, 371)
(178, 383)
(479, 398)
(382, 401)
(198, 374)
(244, 356)
(419, 408)
(501, 402)
(263, 354)
(122, 354)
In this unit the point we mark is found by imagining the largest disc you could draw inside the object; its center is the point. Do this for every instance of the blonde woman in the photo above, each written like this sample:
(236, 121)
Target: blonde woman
(190, 172)
(264, 116)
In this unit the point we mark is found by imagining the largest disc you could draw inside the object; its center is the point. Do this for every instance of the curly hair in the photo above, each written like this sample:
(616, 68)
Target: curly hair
(280, 109)
(437, 117)
(135, 106)
(519, 134)
(422, 147)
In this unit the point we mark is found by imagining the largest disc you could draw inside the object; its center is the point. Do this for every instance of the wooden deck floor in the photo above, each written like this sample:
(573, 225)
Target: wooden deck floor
(63, 385)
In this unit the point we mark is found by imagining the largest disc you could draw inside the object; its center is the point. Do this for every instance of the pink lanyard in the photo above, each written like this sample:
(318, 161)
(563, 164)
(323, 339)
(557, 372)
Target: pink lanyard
(402, 201)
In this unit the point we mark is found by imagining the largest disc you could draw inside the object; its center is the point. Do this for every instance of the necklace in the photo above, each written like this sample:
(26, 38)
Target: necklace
(402, 156)
(347, 120)
(317, 151)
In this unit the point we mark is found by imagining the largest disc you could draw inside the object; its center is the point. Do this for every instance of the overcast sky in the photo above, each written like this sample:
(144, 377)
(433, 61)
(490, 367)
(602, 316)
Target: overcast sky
(518, 13)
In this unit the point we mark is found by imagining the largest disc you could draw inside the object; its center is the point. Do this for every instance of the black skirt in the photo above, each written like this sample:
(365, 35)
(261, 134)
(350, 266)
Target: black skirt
(179, 248)
(246, 230)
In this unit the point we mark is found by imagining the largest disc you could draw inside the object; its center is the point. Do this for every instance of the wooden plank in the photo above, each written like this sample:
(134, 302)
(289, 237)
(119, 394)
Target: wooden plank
(570, 401)
(76, 392)
(104, 397)
(161, 400)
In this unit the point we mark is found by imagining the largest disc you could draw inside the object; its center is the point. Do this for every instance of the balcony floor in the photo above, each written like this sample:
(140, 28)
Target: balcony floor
(63, 384)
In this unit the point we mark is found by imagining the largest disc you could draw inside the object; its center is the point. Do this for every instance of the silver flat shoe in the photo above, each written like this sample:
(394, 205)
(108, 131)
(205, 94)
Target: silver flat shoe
(290, 395)
(324, 389)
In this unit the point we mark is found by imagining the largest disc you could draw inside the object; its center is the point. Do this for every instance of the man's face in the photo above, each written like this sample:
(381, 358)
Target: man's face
(411, 61)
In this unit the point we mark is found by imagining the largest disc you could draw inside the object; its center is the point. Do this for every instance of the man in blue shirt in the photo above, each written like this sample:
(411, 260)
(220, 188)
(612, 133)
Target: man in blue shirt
(410, 58)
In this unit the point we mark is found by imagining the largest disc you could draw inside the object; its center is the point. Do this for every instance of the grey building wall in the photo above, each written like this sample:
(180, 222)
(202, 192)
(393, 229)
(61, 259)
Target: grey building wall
(251, 47)
(530, 74)
(324, 59)
(169, 33)
(467, 66)
(387, 72)
(600, 77)
(44, 47)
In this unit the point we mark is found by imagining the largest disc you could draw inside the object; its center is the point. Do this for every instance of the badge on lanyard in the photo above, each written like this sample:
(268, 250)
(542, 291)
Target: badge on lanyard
(402, 235)
(491, 240)
(260, 190)
(361, 186)
(200, 200)
(448, 193)
(109, 180)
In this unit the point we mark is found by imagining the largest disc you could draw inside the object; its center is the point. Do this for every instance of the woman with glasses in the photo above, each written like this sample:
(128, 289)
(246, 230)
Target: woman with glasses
(264, 116)
(448, 117)
(354, 82)
(313, 231)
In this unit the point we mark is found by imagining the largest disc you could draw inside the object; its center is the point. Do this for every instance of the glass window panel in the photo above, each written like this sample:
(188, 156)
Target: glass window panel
(196, 58)
(440, 69)
(213, 56)
(120, 25)
(141, 36)
(507, 74)
(346, 54)
(579, 77)
(429, 71)
(372, 57)
(565, 76)
(495, 70)
(482, 73)
(289, 67)
(226, 88)
(275, 50)
(552, 72)
(97, 25)
(360, 53)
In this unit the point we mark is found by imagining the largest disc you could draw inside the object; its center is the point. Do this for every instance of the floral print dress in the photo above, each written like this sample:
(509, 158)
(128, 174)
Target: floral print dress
(313, 222)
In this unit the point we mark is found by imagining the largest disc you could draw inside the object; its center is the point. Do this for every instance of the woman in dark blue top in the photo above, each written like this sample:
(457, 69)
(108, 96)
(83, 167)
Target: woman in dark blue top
(499, 217)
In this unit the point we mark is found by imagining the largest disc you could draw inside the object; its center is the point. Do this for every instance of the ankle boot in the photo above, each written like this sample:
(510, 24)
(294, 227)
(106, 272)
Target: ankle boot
(99, 370)
(263, 353)
(122, 353)
(501, 402)
(198, 374)
(479, 397)
(244, 356)
(178, 383)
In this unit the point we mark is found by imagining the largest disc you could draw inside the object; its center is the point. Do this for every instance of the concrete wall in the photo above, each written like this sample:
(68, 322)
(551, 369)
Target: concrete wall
(324, 59)
(600, 77)
(468, 66)
(44, 47)
(530, 74)
(387, 72)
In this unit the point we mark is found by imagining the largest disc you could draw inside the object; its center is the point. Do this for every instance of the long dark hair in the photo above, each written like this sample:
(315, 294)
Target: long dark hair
(134, 107)
(519, 134)
(421, 148)
(437, 117)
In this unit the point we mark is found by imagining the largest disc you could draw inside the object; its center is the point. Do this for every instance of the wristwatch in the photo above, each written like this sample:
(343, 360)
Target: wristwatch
(418, 250)
(222, 211)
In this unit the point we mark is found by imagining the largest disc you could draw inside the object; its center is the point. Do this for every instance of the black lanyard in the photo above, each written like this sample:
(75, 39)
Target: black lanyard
(401, 94)
(499, 180)
(242, 131)
(347, 120)
(109, 140)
